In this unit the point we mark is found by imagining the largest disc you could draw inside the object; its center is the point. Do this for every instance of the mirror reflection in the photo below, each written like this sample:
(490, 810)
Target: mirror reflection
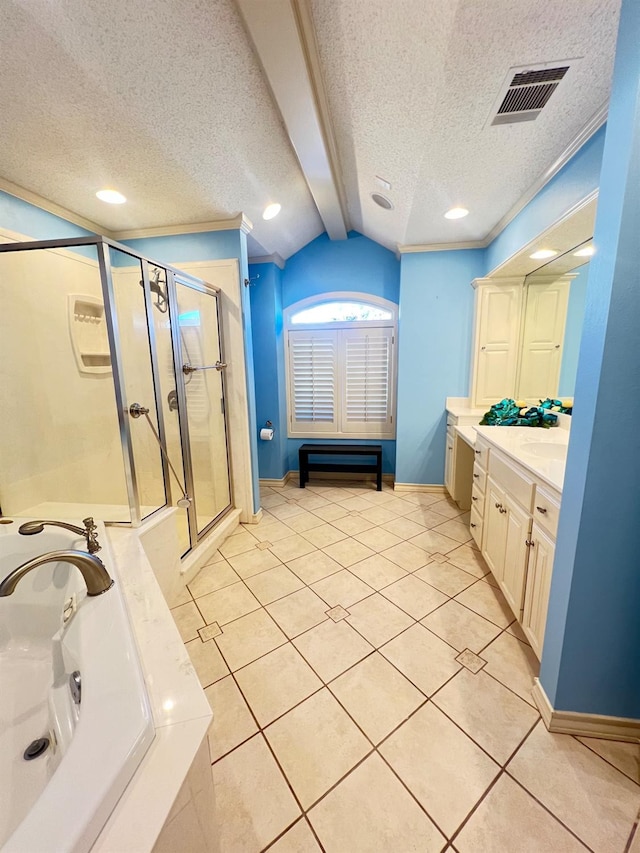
(555, 296)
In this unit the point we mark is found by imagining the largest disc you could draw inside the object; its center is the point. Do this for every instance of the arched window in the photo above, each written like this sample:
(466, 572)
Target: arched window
(341, 366)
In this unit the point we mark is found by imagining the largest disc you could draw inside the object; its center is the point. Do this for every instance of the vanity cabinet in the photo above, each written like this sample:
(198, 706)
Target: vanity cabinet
(507, 529)
(514, 521)
(541, 554)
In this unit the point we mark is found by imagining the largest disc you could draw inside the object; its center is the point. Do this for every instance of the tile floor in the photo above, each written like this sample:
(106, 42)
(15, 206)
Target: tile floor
(371, 691)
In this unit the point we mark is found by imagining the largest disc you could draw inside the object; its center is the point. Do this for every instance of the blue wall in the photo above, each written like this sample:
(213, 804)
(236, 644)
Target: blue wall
(268, 354)
(577, 178)
(434, 356)
(33, 222)
(356, 264)
(573, 332)
(591, 657)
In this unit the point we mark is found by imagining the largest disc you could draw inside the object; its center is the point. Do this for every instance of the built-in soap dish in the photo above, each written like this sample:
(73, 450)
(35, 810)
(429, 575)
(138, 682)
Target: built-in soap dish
(88, 329)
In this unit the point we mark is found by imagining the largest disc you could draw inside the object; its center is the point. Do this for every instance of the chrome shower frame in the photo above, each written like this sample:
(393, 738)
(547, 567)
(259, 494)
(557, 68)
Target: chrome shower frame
(102, 246)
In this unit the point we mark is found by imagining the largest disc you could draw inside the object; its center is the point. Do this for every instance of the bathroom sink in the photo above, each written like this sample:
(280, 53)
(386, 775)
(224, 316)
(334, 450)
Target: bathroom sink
(546, 449)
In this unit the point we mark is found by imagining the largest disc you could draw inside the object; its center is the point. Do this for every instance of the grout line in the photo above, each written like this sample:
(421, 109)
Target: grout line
(606, 760)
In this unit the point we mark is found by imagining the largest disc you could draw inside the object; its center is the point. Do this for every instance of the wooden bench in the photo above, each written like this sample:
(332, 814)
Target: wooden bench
(307, 450)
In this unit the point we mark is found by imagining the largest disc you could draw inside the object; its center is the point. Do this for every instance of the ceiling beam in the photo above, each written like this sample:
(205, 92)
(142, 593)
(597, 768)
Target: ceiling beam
(284, 42)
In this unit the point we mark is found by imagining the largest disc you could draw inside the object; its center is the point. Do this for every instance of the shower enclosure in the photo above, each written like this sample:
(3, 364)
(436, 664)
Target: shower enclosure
(112, 382)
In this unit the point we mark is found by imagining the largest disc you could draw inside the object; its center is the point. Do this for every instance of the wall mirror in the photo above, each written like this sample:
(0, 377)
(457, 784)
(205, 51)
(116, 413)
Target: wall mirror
(529, 316)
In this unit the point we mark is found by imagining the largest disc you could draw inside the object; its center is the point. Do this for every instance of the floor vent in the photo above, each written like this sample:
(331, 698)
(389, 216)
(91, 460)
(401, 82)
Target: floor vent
(525, 92)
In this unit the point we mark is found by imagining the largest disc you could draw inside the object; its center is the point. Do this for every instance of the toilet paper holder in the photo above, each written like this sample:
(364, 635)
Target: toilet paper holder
(267, 432)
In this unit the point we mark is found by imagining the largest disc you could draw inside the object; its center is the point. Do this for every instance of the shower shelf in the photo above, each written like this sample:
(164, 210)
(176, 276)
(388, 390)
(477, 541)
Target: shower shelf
(88, 330)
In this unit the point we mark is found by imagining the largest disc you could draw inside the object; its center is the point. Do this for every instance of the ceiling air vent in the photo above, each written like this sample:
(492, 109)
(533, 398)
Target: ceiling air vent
(526, 91)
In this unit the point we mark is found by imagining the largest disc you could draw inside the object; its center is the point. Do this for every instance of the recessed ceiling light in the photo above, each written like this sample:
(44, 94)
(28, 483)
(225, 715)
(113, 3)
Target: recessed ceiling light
(271, 210)
(586, 252)
(541, 254)
(456, 213)
(111, 196)
(382, 201)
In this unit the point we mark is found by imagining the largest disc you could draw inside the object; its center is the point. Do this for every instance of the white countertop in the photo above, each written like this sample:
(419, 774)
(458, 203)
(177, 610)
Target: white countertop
(460, 407)
(468, 434)
(516, 441)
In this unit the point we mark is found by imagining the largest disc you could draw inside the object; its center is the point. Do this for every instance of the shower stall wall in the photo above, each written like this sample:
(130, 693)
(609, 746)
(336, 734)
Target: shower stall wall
(112, 382)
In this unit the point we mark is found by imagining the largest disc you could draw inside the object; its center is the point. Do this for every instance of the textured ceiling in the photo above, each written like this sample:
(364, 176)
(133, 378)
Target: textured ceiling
(167, 102)
(411, 84)
(163, 100)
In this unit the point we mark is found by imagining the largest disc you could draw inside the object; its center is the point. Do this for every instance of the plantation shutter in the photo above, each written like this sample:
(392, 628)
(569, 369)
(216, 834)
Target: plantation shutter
(313, 382)
(367, 359)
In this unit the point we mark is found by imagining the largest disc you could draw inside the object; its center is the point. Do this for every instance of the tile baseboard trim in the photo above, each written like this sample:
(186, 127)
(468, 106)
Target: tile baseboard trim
(278, 483)
(434, 488)
(584, 725)
(254, 518)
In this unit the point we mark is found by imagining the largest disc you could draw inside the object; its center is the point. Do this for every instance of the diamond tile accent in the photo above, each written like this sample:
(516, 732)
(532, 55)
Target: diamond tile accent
(337, 613)
(264, 545)
(209, 632)
(471, 661)
(439, 558)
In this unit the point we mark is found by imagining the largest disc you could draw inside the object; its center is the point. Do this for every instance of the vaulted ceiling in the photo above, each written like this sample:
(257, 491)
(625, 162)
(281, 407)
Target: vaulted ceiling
(178, 106)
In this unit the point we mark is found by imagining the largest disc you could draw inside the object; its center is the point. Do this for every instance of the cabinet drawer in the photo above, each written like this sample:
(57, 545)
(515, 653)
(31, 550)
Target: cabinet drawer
(479, 478)
(546, 511)
(477, 499)
(481, 453)
(475, 526)
(517, 484)
(452, 420)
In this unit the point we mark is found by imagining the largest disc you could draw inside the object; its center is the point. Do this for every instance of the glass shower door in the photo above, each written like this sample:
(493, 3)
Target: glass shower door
(202, 369)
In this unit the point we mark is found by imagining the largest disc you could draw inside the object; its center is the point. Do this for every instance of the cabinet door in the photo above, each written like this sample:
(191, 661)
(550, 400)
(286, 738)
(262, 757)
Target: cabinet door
(544, 321)
(497, 336)
(494, 537)
(516, 555)
(449, 465)
(536, 598)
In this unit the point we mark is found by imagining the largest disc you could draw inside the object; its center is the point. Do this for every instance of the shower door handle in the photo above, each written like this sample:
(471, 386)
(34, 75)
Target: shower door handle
(188, 368)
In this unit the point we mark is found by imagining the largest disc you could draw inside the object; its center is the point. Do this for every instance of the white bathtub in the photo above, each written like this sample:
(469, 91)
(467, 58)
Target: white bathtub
(60, 801)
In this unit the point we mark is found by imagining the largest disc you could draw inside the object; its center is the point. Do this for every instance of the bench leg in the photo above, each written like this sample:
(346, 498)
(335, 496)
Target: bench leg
(379, 474)
(304, 476)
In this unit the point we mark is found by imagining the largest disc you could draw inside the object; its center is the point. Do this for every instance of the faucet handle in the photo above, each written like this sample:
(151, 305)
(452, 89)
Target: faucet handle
(89, 523)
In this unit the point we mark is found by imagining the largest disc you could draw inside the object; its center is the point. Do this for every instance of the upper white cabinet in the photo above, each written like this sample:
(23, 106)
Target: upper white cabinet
(519, 333)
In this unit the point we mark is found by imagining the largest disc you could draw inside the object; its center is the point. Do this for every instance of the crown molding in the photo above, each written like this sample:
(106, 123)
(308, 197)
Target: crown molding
(236, 223)
(594, 124)
(269, 259)
(51, 207)
(440, 247)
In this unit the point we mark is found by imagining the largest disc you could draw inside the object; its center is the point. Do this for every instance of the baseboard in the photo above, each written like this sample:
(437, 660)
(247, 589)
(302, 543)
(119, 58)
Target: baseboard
(584, 725)
(275, 482)
(254, 518)
(434, 488)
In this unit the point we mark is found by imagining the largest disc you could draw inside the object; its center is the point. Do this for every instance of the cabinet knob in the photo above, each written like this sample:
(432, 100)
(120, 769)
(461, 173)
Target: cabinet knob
(557, 346)
(542, 509)
(483, 348)
(477, 452)
(529, 543)
(477, 476)
(502, 510)
(474, 498)
(498, 506)
(472, 524)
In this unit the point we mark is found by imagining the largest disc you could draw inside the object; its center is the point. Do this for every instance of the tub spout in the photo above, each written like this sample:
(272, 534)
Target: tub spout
(93, 571)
